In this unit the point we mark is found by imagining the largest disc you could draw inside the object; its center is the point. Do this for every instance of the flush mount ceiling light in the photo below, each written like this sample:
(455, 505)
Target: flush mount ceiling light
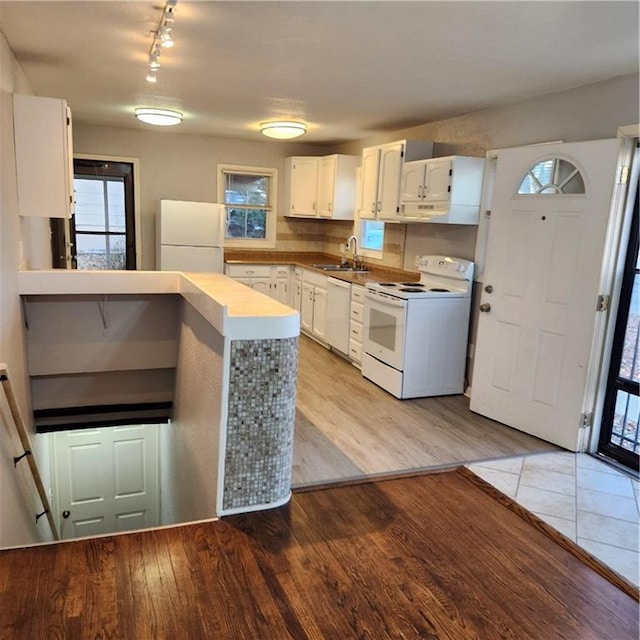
(159, 117)
(283, 129)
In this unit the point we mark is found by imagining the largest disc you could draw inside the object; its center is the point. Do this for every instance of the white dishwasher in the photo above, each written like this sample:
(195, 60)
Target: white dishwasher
(338, 307)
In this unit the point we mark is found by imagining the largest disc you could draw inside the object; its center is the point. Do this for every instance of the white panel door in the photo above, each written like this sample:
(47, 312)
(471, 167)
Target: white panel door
(106, 479)
(543, 266)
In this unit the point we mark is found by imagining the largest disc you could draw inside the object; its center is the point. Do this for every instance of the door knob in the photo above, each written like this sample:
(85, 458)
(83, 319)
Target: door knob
(485, 307)
(489, 288)
(66, 514)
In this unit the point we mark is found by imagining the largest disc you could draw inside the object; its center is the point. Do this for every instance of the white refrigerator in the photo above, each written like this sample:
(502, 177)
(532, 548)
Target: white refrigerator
(189, 236)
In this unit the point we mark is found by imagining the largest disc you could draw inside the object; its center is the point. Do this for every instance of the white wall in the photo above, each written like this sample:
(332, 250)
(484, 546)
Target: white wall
(585, 113)
(189, 455)
(182, 167)
(17, 502)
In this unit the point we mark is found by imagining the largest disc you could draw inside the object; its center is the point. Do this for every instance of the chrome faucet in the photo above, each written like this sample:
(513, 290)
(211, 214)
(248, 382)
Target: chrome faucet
(356, 258)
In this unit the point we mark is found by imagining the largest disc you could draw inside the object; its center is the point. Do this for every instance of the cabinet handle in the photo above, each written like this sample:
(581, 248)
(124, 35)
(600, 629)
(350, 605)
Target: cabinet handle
(330, 206)
(373, 207)
(314, 206)
(379, 206)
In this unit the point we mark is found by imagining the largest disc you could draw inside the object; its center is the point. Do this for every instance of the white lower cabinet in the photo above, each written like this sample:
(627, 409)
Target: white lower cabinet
(356, 326)
(272, 280)
(313, 305)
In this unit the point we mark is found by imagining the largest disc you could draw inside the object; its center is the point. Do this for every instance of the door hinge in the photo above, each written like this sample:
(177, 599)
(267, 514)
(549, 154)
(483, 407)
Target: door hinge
(603, 301)
(622, 175)
(586, 420)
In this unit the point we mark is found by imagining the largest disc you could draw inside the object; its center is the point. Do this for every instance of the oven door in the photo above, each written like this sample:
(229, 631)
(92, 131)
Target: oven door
(384, 328)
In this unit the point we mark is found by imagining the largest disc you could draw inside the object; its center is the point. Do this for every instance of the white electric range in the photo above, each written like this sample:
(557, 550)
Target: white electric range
(416, 333)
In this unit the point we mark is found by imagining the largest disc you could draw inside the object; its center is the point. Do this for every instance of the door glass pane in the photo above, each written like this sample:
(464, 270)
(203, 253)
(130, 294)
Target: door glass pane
(551, 177)
(97, 251)
(116, 220)
(625, 422)
(90, 204)
(630, 363)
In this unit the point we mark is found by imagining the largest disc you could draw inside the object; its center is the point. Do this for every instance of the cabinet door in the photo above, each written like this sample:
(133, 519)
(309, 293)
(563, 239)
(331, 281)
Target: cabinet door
(438, 181)
(280, 290)
(368, 196)
(306, 308)
(263, 285)
(44, 156)
(304, 186)
(412, 182)
(326, 185)
(390, 176)
(297, 294)
(319, 313)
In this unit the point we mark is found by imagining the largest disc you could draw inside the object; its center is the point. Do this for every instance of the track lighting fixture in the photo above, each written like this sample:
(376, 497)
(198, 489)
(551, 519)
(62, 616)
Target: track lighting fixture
(162, 37)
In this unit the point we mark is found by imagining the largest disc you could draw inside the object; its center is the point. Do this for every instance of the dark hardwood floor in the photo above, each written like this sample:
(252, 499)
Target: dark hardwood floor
(431, 556)
(347, 427)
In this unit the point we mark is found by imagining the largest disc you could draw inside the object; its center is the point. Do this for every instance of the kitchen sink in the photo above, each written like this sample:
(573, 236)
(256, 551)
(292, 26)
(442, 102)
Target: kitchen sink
(338, 267)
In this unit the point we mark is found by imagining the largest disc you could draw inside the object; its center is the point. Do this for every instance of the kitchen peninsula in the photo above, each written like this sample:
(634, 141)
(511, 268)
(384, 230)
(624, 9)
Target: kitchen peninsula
(229, 354)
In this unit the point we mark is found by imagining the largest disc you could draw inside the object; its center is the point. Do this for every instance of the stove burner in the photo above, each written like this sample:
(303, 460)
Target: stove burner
(439, 290)
(411, 284)
(412, 290)
(386, 284)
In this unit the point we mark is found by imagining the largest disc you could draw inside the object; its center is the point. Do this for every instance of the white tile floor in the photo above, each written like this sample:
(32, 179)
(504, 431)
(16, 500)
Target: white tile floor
(585, 499)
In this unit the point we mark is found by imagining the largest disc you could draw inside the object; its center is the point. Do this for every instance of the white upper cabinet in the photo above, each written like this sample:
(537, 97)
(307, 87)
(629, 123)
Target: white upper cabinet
(337, 187)
(44, 156)
(302, 189)
(382, 166)
(446, 190)
(320, 187)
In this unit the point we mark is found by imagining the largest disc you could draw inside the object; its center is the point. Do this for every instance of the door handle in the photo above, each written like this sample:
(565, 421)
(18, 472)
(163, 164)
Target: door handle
(66, 514)
(489, 288)
(485, 307)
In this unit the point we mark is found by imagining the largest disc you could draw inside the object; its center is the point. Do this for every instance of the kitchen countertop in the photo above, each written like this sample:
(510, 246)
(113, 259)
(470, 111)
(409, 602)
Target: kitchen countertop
(306, 259)
(233, 309)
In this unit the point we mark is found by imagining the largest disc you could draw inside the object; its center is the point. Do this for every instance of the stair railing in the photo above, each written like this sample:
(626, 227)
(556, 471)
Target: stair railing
(26, 446)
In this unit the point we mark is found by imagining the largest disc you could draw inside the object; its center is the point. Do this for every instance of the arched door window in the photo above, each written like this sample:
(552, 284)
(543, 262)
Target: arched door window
(552, 177)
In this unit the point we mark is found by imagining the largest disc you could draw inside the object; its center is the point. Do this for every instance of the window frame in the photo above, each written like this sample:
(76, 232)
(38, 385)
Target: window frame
(269, 241)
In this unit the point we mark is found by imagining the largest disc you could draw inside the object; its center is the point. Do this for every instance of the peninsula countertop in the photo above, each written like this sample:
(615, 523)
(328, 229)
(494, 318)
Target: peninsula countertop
(233, 309)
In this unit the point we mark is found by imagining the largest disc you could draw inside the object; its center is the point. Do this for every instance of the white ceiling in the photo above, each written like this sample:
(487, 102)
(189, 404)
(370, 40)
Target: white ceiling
(349, 69)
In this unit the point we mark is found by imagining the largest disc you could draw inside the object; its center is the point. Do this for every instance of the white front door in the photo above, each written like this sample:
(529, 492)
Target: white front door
(540, 288)
(106, 479)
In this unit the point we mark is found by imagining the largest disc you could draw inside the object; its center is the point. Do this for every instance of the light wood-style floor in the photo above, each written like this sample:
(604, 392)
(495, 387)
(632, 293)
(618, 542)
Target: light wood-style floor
(347, 427)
